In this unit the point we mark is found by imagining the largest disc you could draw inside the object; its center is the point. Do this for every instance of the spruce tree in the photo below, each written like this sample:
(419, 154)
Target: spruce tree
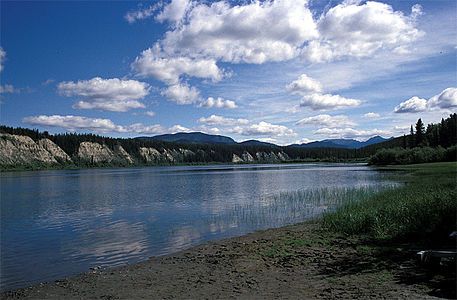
(420, 133)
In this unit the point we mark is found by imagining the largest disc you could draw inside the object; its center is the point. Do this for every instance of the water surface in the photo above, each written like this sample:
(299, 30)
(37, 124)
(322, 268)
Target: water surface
(59, 223)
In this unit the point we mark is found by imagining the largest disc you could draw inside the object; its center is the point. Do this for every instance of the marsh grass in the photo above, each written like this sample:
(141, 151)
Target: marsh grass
(292, 207)
(425, 207)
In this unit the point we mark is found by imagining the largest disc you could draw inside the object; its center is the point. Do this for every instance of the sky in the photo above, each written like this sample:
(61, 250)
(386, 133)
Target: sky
(281, 71)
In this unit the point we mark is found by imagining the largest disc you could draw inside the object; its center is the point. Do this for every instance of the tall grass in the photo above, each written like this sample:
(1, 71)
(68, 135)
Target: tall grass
(425, 207)
(291, 207)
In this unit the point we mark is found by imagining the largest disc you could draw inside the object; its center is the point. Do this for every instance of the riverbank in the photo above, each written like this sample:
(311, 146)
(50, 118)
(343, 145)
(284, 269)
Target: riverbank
(307, 261)
(300, 261)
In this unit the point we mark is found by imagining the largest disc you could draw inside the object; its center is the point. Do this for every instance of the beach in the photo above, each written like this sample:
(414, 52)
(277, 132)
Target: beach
(301, 261)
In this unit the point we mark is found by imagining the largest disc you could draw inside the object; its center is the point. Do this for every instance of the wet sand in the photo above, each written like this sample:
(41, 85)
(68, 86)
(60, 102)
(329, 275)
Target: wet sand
(300, 261)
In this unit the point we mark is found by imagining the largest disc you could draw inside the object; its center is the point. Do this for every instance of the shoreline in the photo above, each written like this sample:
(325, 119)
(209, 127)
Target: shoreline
(102, 167)
(296, 261)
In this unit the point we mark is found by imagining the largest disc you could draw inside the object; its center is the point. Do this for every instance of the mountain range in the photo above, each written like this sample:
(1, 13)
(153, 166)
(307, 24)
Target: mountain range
(203, 138)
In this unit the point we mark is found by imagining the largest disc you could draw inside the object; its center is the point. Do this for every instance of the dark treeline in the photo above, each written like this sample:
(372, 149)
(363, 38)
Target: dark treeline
(436, 143)
(204, 153)
(436, 137)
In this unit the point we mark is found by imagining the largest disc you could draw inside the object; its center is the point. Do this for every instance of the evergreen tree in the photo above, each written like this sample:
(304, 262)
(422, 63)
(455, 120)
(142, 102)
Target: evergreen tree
(411, 142)
(420, 133)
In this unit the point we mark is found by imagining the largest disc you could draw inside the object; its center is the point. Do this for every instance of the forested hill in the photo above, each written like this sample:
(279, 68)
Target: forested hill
(27, 148)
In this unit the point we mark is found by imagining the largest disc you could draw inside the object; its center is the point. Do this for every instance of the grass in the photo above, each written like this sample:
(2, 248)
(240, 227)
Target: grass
(292, 207)
(425, 207)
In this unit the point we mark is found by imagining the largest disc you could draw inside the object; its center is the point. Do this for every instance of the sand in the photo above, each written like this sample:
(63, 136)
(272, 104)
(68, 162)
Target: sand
(302, 261)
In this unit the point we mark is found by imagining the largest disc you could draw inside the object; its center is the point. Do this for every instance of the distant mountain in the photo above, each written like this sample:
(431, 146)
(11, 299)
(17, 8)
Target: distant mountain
(192, 138)
(343, 143)
(203, 138)
(257, 143)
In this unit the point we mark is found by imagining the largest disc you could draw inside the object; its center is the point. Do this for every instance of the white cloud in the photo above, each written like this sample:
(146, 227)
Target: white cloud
(446, 99)
(7, 89)
(150, 113)
(350, 132)
(181, 94)
(256, 32)
(327, 121)
(371, 115)
(218, 103)
(412, 105)
(141, 14)
(353, 30)
(220, 120)
(311, 90)
(303, 141)
(152, 62)
(178, 128)
(106, 94)
(174, 11)
(328, 101)
(262, 128)
(2, 58)
(75, 123)
(304, 85)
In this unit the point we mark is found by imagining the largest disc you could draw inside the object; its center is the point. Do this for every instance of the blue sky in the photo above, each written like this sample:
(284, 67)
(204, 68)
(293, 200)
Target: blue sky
(281, 71)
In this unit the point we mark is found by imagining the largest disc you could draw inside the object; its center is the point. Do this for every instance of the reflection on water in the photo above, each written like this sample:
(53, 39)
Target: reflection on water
(58, 223)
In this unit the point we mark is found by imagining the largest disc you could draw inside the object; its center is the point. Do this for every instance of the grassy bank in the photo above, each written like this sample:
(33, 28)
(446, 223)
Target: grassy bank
(423, 209)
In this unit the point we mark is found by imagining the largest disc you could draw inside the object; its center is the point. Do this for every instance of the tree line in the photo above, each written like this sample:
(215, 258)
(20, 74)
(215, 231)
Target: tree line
(439, 138)
(437, 142)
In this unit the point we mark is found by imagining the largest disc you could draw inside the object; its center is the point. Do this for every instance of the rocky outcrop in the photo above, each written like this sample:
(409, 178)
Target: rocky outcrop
(123, 155)
(23, 151)
(54, 150)
(260, 157)
(247, 157)
(96, 153)
(150, 155)
(236, 159)
(283, 156)
(167, 156)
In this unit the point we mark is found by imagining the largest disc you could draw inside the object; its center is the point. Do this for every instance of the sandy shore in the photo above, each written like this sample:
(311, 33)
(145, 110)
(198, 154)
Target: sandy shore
(294, 262)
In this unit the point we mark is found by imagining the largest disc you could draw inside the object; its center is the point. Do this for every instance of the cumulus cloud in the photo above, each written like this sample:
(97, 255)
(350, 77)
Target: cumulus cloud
(371, 115)
(174, 11)
(351, 29)
(75, 123)
(446, 99)
(412, 105)
(218, 103)
(327, 121)
(328, 101)
(152, 62)
(178, 128)
(304, 85)
(150, 113)
(181, 94)
(142, 13)
(311, 90)
(255, 32)
(220, 120)
(303, 141)
(106, 94)
(349, 132)
(245, 128)
(263, 128)
(2, 58)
